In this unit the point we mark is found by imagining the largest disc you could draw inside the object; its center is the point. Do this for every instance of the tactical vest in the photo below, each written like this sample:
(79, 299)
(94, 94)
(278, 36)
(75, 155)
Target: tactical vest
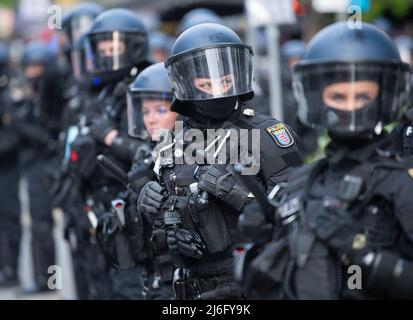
(311, 271)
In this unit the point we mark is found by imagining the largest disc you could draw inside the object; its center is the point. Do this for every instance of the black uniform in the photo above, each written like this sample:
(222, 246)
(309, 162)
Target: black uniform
(10, 230)
(217, 222)
(343, 225)
(355, 198)
(121, 233)
(37, 120)
(114, 72)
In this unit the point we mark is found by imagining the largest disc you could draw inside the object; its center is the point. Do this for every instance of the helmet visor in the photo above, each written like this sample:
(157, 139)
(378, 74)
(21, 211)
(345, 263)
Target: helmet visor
(113, 51)
(212, 73)
(350, 97)
(79, 25)
(144, 106)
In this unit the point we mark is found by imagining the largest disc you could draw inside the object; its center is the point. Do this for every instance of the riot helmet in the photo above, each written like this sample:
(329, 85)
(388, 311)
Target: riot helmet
(149, 99)
(209, 67)
(116, 44)
(351, 81)
(198, 16)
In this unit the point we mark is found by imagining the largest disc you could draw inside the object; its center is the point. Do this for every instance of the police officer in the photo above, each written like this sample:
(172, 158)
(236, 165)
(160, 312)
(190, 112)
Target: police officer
(78, 92)
(352, 208)
(196, 203)
(160, 45)
(149, 101)
(10, 229)
(37, 120)
(197, 16)
(116, 44)
(74, 24)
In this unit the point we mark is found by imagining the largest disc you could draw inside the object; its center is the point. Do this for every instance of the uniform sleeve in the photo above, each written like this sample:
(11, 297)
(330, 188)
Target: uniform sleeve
(279, 153)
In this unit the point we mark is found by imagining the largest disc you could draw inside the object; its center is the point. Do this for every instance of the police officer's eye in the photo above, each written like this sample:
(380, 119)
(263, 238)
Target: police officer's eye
(227, 82)
(205, 85)
(145, 112)
(162, 110)
(338, 97)
(365, 97)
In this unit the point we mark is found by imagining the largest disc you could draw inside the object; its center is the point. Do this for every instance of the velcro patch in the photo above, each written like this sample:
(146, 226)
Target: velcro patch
(281, 135)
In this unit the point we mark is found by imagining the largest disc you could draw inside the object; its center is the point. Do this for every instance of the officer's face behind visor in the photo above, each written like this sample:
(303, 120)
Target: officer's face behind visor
(214, 87)
(33, 71)
(350, 97)
(157, 116)
(149, 112)
(224, 71)
(112, 51)
(347, 96)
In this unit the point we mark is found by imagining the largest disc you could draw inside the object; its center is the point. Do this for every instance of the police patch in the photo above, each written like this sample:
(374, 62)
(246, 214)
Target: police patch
(281, 135)
(410, 171)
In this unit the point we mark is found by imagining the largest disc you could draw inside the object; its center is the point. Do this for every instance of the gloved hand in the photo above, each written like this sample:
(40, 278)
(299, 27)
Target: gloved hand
(220, 183)
(334, 225)
(185, 242)
(150, 201)
(108, 226)
(101, 127)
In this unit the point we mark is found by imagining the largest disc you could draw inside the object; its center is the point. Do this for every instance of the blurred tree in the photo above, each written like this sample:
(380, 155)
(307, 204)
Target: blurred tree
(398, 8)
(7, 3)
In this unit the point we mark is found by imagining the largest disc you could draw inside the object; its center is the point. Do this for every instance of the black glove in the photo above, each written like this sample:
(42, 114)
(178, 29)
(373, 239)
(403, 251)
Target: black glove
(150, 201)
(108, 226)
(134, 227)
(220, 183)
(100, 128)
(334, 225)
(185, 242)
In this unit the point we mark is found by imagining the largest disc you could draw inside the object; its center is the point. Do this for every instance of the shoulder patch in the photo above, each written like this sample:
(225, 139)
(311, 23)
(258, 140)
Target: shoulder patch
(281, 135)
(410, 172)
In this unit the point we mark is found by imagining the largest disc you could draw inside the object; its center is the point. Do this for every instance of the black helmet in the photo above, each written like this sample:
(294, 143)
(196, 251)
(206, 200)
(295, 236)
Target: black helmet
(198, 16)
(293, 49)
(216, 54)
(405, 45)
(78, 20)
(160, 41)
(151, 83)
(116, 43)
(38, 52)
(79, 57)
(341, 64)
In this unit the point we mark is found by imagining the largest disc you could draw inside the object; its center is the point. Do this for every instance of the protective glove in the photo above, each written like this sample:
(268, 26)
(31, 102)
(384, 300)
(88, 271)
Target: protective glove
(108, 226)
(150, 201)
(220, 183)
(185, 242)
(334, 225)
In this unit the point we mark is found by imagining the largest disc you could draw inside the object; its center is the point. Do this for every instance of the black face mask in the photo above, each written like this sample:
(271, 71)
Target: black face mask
(215, 109)
(37, 83)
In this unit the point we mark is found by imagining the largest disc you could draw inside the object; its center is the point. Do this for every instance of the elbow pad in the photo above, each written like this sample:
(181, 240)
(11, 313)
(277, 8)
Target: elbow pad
(389, 276)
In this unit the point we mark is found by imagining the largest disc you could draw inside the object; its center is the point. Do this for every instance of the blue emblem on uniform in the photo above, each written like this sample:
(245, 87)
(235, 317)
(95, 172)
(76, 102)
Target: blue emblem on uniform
(281, 135)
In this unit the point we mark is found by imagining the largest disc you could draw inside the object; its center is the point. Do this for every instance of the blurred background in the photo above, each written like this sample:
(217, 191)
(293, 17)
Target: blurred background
(265, 24)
